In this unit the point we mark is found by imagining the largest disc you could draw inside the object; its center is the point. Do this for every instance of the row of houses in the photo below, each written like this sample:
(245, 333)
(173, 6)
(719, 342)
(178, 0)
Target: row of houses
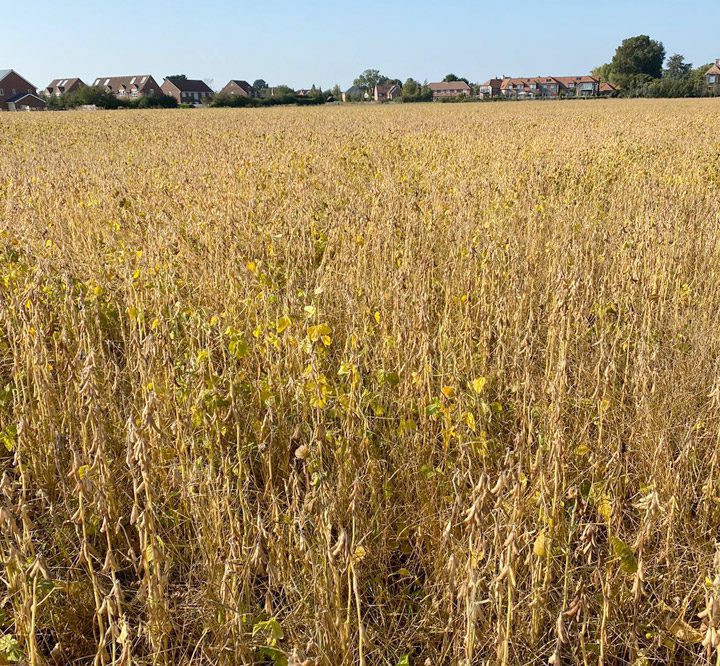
(546, 87)
(18, 94)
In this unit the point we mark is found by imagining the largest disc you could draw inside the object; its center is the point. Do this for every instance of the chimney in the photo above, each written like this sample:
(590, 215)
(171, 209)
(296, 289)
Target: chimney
(717, 62)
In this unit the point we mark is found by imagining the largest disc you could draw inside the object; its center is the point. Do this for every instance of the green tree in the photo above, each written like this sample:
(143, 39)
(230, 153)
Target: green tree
(369, 79)
(410, 88)
(259, 85)
(637, 60)
(603, 72)
(336, 91)
(451, 77)
(676, 67)
(178, 77)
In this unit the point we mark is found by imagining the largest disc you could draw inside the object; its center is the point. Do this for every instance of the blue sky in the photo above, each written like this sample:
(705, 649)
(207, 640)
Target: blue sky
(331, 41)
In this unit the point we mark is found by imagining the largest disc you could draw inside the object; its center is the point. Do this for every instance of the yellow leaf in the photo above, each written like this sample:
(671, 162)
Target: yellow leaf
(377, 316)
(283, 323)
(478, 384)
(540, 548)
(470, 420)
(310, 310)
(448, 391)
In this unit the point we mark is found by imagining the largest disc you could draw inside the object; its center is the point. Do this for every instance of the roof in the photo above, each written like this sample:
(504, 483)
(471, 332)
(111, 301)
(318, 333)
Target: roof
(241, 84)
(20, 96)
(567, 80)
(564, 81)
(607, 87)
(715, 69)
(63, 83)
(190, 85)
(116, 82)
(491, 83)
(385, 88)
(448, 85)
(6, 72)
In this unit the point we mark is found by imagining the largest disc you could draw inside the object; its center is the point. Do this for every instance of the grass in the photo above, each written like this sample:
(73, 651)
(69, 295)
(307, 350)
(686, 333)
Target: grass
(397, 385)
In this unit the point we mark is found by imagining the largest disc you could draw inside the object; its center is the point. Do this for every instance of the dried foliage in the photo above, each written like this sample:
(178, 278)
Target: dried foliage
(409, 385)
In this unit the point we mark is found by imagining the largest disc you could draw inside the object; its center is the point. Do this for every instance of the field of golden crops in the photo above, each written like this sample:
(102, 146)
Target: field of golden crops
(375, 386)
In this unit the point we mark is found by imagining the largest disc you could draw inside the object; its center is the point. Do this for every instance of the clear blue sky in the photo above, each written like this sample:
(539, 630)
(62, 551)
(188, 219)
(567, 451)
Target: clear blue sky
(331, 41)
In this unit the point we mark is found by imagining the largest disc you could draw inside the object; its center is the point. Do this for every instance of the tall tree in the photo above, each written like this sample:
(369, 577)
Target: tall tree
(449, 78)
(676, 67)
(369, 79)
(637, 59)
(259, 85)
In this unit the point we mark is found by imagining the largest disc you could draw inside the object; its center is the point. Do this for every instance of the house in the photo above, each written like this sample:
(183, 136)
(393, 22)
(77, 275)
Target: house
(355, 94)
(128, 87)
(58, 87)
(549, 87)
(238, 87)
(449, 89)
(712, 77)
(490, 88)
(187, 91)
(578, 86)
(606, 89)
(18, 94)
(387, 92)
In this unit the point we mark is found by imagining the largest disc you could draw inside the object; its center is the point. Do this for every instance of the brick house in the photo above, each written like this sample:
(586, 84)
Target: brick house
(238, 87)
(491, 88)
(58, 87)
(18, 94)
(449, 89)
(128, 87)
(549, 87)
(387, 92)
(188, 91)
(712, 77)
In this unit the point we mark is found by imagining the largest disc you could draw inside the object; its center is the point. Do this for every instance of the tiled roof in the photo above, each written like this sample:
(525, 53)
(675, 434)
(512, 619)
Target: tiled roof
(191, 85)
(448, 85)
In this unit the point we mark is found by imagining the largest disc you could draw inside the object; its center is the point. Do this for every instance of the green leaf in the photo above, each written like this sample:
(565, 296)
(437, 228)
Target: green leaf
(624, 553)
(278, 657)
(10, 650)
(404, 661)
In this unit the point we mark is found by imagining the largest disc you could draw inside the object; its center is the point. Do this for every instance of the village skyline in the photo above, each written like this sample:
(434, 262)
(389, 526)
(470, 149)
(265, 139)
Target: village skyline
(328, 45)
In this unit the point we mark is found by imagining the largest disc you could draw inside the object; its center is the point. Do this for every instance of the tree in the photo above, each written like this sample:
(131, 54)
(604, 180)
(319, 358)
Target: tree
(451, 77)
(637, 60)
(259, 85)
(178, 77)
(410, 88)
(676, 67)
(369, 79)
(336, 91)
(603, 72)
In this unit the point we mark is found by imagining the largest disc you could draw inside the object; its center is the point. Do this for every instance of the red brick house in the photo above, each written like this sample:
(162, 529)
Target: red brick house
(58, 87)
(712, 77)
(387, 92)
(18, 94)
(238, 87)
(128, 87)
(188, 91)
(447, 89)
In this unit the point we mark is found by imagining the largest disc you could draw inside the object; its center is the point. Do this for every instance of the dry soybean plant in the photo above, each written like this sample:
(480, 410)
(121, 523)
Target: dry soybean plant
(385, 385)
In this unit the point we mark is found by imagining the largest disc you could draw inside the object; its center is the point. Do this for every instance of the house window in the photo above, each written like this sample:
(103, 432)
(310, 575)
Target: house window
(711, 79)
(2, 92)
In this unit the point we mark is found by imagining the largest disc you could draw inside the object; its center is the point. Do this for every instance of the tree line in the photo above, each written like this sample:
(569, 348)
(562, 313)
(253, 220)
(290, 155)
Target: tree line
(639, 68)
